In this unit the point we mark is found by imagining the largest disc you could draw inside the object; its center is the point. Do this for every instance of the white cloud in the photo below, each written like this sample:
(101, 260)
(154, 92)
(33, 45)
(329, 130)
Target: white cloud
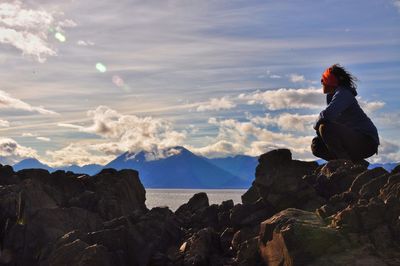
(129, 132)
(286, 121)
(275, 76)
(28, 135)
(14, 152)
(279, 99)
(4, 123)
(84, 43)
(295, 78)
(7, 101)
(397, 4)
(220, 148)
(370, 107)
(216, 104)
(78, 153)
(252, 138)
(43, 139)
(28, 29)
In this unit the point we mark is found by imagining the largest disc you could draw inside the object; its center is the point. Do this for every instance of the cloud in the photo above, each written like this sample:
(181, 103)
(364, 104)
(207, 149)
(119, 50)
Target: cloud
(7, 101)
(216, 104)
(84, 43)
(14, 152)
(251, 138)
(286, 121)
(78, 154)
(129, 132)
(396, 3)
(370, 107)
(4, 123)
(43, 139)
(220, 148)
(28, 29)
(310, 98)
(295, 78)
(28, 135)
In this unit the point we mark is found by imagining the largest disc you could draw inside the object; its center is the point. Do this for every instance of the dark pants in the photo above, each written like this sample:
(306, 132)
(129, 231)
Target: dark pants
(337, 141)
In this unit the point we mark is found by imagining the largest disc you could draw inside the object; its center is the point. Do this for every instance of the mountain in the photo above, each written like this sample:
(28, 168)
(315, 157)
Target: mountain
(387, 166)
(183, 169)
(90, 169)
(242, 166)
(31, 163)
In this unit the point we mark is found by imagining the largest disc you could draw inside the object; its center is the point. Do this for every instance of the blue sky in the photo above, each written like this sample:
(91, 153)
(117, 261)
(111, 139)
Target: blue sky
(219, 77)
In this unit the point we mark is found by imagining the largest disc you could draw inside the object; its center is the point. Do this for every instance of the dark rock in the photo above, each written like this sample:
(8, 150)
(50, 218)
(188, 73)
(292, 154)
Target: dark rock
(203, 248)
(195, 203)
(250, 214)
(80, 253)
(44, 228)
(244, 234)
(118, 192)
(249, 253)
(226, 240)
(279, 180)
(372, 188)
(295, 237)
(365, 177)
(7, 175)
(251, 195)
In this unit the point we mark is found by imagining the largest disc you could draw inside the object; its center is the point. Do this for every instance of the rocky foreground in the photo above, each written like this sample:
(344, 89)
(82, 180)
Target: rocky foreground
(295, 213)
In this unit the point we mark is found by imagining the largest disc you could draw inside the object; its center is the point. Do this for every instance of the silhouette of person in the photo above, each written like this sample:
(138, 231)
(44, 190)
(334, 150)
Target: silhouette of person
(343, 130)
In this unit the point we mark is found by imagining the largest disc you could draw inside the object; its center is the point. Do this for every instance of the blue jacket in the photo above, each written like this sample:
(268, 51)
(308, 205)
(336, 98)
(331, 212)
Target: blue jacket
(343, 108)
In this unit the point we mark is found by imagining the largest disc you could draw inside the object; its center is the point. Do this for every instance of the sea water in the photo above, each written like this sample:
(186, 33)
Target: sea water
(173, 198)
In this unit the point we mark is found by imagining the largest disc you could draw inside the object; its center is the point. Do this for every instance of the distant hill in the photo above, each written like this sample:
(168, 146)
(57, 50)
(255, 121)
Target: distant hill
(242, 166)
(90, 169)
(31, 163)
(387, 166)
(181, 170)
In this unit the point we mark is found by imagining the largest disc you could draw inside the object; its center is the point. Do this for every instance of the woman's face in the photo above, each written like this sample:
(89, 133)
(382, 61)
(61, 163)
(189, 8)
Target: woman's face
(327, 89)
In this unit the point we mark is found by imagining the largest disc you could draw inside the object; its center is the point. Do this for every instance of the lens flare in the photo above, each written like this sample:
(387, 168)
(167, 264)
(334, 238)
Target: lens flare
(118, 81)
(101, 68)
(60, 37)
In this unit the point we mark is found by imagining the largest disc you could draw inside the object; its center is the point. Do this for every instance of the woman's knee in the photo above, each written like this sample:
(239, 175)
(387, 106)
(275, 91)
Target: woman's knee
(316, 146)
(326, 130)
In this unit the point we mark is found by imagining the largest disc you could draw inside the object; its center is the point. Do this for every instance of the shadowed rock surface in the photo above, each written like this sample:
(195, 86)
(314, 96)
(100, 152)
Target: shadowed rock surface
(295, 213)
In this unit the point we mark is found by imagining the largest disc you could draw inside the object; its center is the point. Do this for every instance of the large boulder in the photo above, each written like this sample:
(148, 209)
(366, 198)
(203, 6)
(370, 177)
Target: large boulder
(279, 182)
(296, 237)
(118, 193)
(30, 240)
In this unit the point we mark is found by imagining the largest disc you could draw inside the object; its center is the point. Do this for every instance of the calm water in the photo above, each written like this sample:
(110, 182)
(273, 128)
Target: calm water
(173, 198)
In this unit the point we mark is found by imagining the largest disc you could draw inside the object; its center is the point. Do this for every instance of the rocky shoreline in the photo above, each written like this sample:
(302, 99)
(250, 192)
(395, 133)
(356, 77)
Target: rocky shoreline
(295, 213)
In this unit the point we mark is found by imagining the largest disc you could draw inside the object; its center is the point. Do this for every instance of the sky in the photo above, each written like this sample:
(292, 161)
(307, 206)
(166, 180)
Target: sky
(84, 81)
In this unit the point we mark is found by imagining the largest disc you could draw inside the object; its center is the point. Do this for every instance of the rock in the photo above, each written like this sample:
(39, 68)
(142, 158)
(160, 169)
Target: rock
(249, 253)
(336, 176)
(251, 195)
(80, 253)
(372, 188)
(44, 228)
(244, 234)
(365, 177)
(296, 237)
(7, 176)
(202, 248)
(119, 193)
(195, 203)
(226, 239)
(279, 180)
(250, 214)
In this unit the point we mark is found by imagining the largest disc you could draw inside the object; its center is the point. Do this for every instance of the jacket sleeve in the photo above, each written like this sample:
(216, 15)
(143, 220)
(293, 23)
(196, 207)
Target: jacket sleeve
(341, 100)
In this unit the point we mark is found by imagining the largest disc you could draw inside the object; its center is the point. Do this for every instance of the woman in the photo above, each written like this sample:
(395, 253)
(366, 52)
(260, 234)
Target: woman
(344, 131)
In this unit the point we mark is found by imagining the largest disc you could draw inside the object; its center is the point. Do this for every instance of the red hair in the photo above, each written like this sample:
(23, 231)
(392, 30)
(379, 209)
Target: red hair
(329, 79)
